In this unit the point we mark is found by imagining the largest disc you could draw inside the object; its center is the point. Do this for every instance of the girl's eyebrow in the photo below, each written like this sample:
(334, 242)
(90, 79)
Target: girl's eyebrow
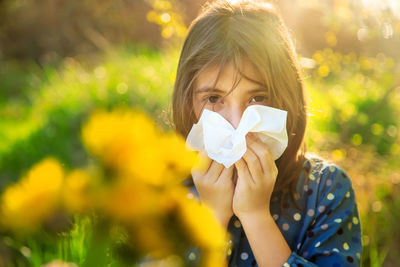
(257, 90)
(207, 89)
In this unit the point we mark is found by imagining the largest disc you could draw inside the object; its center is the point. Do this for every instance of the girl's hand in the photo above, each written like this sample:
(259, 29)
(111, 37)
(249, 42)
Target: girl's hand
(215, 186)
(257, 174)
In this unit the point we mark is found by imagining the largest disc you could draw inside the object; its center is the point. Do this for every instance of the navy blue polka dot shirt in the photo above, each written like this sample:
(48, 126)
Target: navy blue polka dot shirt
(325, 231)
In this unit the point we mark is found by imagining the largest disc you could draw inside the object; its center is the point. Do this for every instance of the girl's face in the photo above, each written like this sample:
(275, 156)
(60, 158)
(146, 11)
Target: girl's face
(231, 105)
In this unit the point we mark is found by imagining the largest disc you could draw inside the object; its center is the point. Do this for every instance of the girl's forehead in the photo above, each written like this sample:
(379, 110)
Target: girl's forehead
(229, 73)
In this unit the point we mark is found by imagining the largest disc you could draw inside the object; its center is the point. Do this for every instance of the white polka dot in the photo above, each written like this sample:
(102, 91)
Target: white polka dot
(310, 212)
(318, 244)
(326, 253)
(338, 220)
(324, 226)
(318, 180)
(285, 227)
(348, 194)
(346, 246)
(244, 256)
(330, 196)
(355, 220)
(190, 195)
(297, 217)
(286, 264)
(335, 250)
(237, 224)
(321, 208)
(358, 255)
(329, 182)
(275, 216)
(298, 245)
(192, 256)
(306, 188)
(312, 177)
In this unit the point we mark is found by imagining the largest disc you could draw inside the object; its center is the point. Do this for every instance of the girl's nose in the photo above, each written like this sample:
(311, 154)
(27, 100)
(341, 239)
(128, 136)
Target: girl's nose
(232, 115)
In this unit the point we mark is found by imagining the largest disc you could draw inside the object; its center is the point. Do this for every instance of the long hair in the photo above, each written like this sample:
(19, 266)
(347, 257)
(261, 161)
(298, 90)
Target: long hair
(232, 32)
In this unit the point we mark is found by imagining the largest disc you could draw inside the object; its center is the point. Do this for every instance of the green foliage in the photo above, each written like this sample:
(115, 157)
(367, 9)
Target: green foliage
(355, 99)
(52, 119)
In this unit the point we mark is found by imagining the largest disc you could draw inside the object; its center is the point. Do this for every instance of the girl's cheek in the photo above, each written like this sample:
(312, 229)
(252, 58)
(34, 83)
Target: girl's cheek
(197, 107)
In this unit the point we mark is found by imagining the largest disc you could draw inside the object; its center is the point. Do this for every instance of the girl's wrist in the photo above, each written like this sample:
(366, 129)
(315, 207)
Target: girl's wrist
(223, 220)
(255, 216)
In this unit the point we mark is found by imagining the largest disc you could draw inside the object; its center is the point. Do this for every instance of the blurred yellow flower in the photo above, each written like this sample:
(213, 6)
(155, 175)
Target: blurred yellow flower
(77, 194)
(318, 57)
(338, 154)
(116, 136)
(377, 129)
(330, 38)
(199, 221)
(175, 162)
(366, 63)
(127, 201)
(357, 139)
(213, 258)
(162, 4)
(129, 143)
(33, 199)
(324, 70)
(151, 237)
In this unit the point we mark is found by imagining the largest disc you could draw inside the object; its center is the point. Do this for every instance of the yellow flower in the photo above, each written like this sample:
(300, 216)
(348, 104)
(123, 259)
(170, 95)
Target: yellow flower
(115, 137)
(165, 162)
(199, 222)
(78, 195)
(129, 143)
(127, 201)
(33, 199)
(213, 258)
(150, 238)
(178, 160)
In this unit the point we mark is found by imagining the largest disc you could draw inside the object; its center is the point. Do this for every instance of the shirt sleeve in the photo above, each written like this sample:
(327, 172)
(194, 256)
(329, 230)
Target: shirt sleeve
(333, 234)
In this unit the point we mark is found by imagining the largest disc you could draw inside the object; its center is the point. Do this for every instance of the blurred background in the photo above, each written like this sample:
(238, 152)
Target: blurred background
(60, 60)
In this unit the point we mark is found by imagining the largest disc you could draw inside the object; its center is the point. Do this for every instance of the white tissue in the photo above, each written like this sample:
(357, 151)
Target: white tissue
(226, 145)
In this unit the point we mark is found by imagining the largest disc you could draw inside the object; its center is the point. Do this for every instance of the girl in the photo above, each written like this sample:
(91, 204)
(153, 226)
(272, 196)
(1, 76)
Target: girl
(298, 210)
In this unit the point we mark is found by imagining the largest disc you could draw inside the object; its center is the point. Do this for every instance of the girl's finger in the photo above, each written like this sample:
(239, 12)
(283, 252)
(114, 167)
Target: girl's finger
(243, 171)
(214, 171)
(226, 175)
(254, 165)
(263, 153)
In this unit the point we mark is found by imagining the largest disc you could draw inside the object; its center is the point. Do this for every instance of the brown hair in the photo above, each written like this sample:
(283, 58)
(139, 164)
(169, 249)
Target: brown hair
(226, 32)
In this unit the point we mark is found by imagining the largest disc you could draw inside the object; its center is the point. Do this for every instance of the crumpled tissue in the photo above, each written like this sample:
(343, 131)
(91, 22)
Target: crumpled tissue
(223, 143)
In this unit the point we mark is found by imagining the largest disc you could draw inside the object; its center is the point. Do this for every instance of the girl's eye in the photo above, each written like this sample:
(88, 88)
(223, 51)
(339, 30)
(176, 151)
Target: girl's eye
(259, 98)
(213, 99)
